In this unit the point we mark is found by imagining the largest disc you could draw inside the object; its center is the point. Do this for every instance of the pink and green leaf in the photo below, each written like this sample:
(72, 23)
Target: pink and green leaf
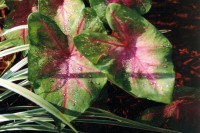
(136, 56)
(71, 16)
(66, 13)
(59, 73)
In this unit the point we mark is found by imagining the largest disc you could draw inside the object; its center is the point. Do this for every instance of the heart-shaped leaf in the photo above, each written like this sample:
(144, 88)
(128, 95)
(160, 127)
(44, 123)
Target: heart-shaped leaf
(66, 13)
(182, 114)
(136, 57)
(59, 73)
(141, 6)
(69, 18)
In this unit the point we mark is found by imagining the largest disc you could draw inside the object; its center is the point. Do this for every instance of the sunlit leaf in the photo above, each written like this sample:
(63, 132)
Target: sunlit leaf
(136, 57)
(59, 73)
(66, 13)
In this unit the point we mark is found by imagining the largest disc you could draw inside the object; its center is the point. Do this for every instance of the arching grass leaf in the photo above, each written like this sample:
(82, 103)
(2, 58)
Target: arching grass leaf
(59, 73)
(136, 57)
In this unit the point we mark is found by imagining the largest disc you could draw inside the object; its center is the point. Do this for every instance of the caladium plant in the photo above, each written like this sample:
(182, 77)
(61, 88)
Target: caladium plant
(71, 55)
(63, 76)
(136, 56)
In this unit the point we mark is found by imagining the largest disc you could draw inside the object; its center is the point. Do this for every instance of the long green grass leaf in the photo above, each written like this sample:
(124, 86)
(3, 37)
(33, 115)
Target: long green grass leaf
(21, 27)
(36, 99)
(32, 127)
(11, 117)
(6, 94)
(15, 68)
(9, 43)
(18, 108)
(107, 122)
(22, 77)
(14, 50)
(99, 113)
(20, 72)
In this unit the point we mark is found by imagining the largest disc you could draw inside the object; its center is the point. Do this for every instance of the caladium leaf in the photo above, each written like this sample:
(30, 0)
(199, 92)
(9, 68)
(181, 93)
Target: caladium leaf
(66, 13)
(141, 6)
(69, 18)
(182, 115)
(59, 73)
(136, 57)
(100, 7)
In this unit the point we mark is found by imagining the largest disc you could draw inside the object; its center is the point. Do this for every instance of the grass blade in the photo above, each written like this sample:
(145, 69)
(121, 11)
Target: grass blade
(9, 43)
(22, 77)
(6, 94)
(15, 117)
(21, 27)
(31, 127)
(21, 72)
(16, 108)
(15, 68)
(14, 50)
(99, 113)
(36, 99)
